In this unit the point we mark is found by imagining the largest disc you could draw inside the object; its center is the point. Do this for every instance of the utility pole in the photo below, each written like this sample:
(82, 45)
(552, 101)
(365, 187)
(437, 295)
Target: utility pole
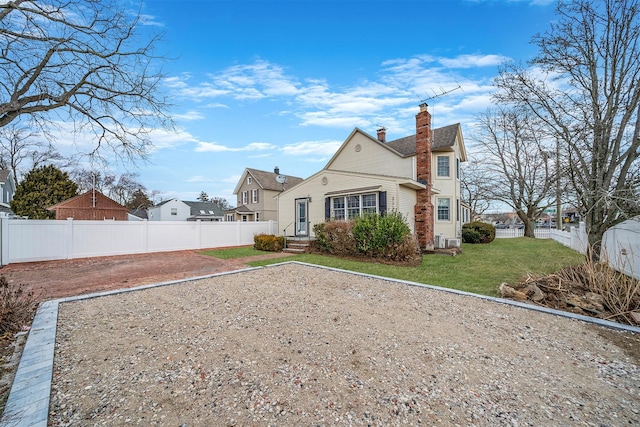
(559, 223)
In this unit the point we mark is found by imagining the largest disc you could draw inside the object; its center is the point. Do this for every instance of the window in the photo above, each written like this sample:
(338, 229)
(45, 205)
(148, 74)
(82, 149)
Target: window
(443, 165)
(245, 197)
(254, 196)
(443, 209)
(230, 217)
(338, 208)
(369, 205)
(249, 180)
(457, 168)
(354, 206)
(244, 218)
(174, 211)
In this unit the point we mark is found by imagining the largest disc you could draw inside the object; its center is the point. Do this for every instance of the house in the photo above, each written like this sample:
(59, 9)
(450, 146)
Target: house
(7, 190)
(256, 191)
(92, 205)
(179, 210)
(417, 176)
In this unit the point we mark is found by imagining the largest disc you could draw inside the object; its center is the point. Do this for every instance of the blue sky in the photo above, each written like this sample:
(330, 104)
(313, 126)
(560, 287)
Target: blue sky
(282, 83)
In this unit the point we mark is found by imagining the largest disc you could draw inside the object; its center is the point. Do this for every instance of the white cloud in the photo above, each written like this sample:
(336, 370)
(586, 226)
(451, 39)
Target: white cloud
(306, 148)
(473, 61)
(189, 116)
(215, 147)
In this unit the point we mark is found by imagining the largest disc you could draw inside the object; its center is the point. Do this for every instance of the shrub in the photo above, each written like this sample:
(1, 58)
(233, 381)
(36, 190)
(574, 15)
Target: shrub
(16, 307)
(375, 236)
(379, 235)
(268, 242)
(470, 236)
(478, 232)
(335, 237)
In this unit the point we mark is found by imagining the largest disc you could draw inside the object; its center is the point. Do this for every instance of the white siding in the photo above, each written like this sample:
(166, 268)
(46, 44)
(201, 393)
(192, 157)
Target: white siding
(319, 185)
(367, 159)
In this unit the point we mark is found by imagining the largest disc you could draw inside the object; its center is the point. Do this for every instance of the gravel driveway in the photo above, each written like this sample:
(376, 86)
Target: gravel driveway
(301, 345)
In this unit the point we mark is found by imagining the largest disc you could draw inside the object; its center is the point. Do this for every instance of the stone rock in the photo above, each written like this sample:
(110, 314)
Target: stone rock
(596, 300)
(534, 293)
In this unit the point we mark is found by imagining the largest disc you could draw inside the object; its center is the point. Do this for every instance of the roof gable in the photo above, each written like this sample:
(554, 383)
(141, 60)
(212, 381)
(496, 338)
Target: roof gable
(88, 200)
(356, 131)
(266, 180)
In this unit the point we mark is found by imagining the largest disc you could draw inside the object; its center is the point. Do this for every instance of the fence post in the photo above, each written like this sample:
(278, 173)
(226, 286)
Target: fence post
(4, 241)
(145, 236)
(199, 233)
(69, 237)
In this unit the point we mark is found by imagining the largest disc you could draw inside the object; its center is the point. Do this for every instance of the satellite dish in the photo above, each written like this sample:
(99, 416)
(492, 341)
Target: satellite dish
(281, 179)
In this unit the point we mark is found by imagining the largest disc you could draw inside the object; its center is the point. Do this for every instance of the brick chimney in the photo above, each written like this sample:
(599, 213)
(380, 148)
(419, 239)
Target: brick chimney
(423, 210)
(382, 135)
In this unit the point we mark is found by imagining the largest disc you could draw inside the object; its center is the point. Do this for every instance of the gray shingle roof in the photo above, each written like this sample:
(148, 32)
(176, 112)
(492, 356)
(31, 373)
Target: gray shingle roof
(442, 137)
(267, 180)
(207, 207)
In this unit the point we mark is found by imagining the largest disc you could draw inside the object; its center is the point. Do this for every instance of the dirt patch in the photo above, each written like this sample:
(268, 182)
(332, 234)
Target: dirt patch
(57, 279)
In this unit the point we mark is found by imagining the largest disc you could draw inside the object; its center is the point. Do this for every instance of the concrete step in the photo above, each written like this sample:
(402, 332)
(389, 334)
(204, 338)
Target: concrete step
(294, 250)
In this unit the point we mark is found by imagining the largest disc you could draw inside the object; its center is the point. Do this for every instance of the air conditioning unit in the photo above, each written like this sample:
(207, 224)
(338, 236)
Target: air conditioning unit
(439, 242)
(453, 243)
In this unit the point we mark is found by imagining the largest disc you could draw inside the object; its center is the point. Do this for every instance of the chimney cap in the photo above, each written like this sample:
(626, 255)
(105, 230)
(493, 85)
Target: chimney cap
(423, 106)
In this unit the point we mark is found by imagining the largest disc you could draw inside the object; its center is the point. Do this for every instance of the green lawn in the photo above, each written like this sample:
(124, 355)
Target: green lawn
(233, 253)
(479, 269)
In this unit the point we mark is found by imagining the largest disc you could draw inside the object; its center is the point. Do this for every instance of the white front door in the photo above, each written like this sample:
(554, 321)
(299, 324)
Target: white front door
(302, 222)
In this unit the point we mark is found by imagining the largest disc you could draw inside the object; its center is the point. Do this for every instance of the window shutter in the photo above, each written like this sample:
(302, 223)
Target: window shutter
(257, 196)
(382, 202)
(327, 208)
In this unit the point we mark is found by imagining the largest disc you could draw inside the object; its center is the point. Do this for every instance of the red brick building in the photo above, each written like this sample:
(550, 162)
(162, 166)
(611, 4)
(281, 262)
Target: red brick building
(91, 205)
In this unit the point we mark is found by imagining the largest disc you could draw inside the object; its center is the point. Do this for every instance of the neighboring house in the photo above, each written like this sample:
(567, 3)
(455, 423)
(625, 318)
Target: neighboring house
(256, 191)
(204, 211)
(92, 205)
(179, 210)
(137, 215)
(417, 176)
(7, 190)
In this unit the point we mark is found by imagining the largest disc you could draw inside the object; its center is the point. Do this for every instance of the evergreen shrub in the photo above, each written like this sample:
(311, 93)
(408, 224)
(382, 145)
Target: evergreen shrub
(478, 232)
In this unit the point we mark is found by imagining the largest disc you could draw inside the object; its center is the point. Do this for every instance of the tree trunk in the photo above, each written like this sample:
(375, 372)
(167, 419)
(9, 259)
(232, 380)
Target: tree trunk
(529, 223)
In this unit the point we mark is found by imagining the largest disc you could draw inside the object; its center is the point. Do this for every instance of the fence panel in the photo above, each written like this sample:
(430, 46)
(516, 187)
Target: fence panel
(34, 240)
(103, 238)
(621, 247)
(39, 240)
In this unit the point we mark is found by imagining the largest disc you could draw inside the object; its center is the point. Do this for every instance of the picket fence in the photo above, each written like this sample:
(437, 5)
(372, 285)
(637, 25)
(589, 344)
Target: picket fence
(42, 240)
(575, 239)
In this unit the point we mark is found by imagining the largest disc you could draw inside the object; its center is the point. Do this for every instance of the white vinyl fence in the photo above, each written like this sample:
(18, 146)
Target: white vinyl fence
(575, 239)
(42, 240)
(621, 247)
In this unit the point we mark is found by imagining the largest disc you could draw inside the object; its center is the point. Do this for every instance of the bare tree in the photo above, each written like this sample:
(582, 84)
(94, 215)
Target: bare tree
(21, 151)
(121, 188)
(520, 161)
(83, 62)
(584, 86)
(476, 182)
